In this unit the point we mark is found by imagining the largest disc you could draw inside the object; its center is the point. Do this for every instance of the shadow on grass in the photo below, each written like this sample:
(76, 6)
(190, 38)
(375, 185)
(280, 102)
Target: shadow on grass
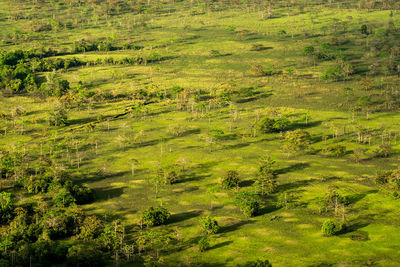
(220, 245)
(104, 193)
(233, 227)
(294, 167)
(180, 217)
(357, 197)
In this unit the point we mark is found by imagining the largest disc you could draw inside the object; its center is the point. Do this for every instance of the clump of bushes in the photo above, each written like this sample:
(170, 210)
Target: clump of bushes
(248, 203)
(155, 216)
(230, 180)
(335, 151)
(209, 224)
(330, 228)
(270, 125)
(204, 243)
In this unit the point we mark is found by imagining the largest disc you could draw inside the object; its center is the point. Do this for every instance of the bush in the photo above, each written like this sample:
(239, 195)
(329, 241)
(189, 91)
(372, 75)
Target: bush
(209, 225)
(230, 180)
(155, 216)
(329, 228)
(171, 177)
(335, 151)
(58, 117)
(64, 198)
(268, 125)
(383, 151)
(247, 203)
(85, 255)
(204, 244)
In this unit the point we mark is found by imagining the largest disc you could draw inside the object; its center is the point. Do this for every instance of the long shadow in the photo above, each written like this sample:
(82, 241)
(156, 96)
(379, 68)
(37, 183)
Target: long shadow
(95, 177)
(246, 183)
(175, 218)
(294, 167)
(235, 146)
(233, 227)
(192, 177)
(357, 197)
(296, 184)
(220, 245)
(104, 193)
(301, 125)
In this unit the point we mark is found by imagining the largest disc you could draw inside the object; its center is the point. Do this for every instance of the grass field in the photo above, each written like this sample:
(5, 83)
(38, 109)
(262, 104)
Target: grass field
(210, 52)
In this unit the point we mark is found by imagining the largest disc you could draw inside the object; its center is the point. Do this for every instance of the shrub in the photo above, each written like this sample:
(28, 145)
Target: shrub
(204, 244)
(329, 228)
(297, 140)
(247, 203)
(335, 151)
(383, 151)
(58, 117)
(64, 198)
(209, 225)
(230, 180)
(171, 177)
(155, 216)
(268, 125)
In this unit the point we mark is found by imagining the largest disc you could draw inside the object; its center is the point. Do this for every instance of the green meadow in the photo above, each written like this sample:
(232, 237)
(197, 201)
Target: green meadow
(212, 71)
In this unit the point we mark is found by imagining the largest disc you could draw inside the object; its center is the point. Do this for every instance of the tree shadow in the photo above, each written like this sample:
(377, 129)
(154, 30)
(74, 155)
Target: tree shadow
(233, 227)
(302, 125)
(179, 217)
(296, 184)
(357, 197)
(246, 183)
(220, 245)
(294, 167)
(104, 193)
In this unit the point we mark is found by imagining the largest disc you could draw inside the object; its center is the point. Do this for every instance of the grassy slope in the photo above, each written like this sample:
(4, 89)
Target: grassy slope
(295, 237)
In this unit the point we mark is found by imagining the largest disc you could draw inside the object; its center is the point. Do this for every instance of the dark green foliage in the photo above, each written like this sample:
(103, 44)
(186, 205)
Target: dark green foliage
(269, 125)
(308, 50)
(329, 228)
(91, 228)
(364, 29)
(83, 194)
(58, 117)
(297, 140)
(204, 243)
(6, 207)
(248, 203)
(171, 177)
(230, 180)
(383, 151)
(209, 224)
(266, 178)
(85, 255)
(155, 216)
(64, 198)
(335, 151)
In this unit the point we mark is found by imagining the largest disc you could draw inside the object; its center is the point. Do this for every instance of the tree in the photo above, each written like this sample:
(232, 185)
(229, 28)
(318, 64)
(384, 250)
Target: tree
(58, 117)
(64, 198)
(364, 102)
(230, 180)
(155, 216)
(209, 224)
(204, 243)
(6, 206)
(269, 125)
(329, 228)
(248, 203)
(297, 140)
(91, 228)
(266, 178)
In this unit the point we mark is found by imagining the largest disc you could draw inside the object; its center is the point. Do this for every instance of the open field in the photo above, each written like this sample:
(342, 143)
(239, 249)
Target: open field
(186, 86)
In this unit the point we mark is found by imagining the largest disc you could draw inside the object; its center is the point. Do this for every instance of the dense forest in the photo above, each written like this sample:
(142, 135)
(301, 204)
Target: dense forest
(199, 133)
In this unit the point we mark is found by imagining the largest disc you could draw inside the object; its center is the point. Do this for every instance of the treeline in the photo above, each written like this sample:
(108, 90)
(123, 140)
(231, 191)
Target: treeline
(18, 70)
